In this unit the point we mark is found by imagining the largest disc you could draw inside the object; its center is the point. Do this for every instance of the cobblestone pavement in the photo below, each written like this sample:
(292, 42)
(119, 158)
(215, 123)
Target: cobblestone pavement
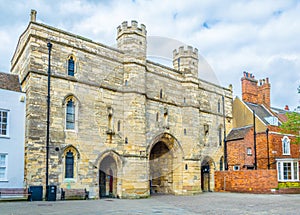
(206, 203)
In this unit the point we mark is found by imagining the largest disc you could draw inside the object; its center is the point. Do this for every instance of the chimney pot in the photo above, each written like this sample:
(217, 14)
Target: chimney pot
(286, 107)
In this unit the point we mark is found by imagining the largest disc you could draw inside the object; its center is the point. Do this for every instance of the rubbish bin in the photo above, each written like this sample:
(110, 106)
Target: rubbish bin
(51, 193)
(36, 193)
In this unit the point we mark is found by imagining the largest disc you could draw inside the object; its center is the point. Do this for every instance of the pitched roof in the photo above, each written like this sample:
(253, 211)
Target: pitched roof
(9, 82)
(260, 111)
(238, 133)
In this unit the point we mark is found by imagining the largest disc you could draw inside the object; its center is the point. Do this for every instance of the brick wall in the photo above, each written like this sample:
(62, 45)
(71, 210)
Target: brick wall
(254, 92)
(246, 181)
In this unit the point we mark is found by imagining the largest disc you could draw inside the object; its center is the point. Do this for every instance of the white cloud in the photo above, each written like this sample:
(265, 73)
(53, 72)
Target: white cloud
(258, 36)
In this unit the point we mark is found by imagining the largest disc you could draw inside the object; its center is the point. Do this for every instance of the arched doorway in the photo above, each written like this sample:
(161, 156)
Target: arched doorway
(161, 165)
(108, 177)
(206, 174)
(165, 165)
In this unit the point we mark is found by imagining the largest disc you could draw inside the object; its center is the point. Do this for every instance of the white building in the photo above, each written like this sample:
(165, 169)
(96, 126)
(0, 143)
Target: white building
(12, 132)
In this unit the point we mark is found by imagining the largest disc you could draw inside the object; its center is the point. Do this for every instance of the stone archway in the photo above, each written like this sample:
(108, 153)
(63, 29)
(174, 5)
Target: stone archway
(165, 165)
(108, 177)
(207, 174)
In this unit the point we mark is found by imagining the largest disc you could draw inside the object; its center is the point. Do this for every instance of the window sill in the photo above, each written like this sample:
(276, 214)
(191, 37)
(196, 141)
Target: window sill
(71, 130)
(3, 180)
(69, 180)
(296, 180)
(4, 137)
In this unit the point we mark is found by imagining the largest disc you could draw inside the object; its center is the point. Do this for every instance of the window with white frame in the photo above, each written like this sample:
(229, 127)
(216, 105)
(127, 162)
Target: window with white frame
(286, 146)
(3, 123)
(249, 151)
(288, 170)
(3, 167)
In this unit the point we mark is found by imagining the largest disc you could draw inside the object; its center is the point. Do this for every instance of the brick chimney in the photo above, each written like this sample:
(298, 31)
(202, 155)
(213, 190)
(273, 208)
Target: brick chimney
(249, 88)
(286, 108)
(254, 92)
(264, 92)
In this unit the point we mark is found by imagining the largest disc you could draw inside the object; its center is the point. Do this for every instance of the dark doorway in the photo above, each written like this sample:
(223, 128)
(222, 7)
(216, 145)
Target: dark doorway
(205, 178)
(161, 169)
(107, 178)
(102, 184)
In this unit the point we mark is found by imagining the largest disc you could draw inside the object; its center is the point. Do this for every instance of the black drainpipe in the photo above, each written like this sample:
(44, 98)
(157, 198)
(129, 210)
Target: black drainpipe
(49, 45)
(225, 143)
(267, 133)
(254, 136)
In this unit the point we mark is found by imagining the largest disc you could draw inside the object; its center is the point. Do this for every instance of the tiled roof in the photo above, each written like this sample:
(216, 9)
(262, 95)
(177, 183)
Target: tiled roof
(238, 133)
(260, 111)
(9, 82)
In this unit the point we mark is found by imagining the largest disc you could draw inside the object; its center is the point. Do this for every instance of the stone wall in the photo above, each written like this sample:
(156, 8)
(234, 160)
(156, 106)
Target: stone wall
(124, 105)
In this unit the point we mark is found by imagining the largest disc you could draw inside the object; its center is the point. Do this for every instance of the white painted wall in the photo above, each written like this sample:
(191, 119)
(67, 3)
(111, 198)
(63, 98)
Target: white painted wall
(13, 145)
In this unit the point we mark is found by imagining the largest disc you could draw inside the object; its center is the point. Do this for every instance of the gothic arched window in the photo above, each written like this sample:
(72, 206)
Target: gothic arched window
(286, 146)
(70, 115)
(69, 171)
(71, 66)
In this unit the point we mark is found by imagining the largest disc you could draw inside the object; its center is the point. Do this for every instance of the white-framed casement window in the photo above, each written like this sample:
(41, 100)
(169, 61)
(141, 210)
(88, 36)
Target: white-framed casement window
(4, 119)
(249, 151)
(3, 167)
(286, 146)
(288, 170)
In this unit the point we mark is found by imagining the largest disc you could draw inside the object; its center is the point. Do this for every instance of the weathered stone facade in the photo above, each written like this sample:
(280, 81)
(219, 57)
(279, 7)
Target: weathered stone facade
(140, 127)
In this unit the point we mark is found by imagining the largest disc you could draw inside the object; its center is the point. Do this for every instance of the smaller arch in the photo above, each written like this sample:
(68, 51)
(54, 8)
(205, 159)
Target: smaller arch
(68, 97)
(118, 158)
(71, 65)
(66, 148)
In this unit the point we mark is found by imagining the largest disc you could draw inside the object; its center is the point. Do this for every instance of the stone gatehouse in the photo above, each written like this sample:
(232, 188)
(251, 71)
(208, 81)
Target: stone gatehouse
(120, 125)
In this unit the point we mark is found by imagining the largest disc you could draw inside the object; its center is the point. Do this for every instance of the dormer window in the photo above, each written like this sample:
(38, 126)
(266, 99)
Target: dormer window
(71, 66)
(286, 146)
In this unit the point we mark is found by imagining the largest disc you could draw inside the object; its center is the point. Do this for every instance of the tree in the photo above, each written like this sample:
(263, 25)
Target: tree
(292, 125)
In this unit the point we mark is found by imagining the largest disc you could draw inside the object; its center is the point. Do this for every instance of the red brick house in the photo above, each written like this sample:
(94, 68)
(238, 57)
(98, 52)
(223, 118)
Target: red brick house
(256, 143)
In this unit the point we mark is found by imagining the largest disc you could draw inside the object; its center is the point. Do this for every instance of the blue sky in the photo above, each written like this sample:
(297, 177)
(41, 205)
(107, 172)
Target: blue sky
(261, 37)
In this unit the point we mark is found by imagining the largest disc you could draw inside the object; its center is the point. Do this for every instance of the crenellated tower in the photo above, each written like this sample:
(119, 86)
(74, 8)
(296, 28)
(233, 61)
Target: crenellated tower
(186, 60)
(132, 40)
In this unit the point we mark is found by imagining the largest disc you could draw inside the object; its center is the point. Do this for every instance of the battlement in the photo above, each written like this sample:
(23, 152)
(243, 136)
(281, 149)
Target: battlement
(185, 52)
(133, 28)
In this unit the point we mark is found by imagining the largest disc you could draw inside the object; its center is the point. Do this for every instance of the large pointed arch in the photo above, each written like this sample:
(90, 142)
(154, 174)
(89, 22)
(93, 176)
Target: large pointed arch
(165, 156)
(171, 142)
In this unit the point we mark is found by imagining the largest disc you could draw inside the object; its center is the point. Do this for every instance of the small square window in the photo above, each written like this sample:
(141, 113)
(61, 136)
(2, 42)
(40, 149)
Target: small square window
(249, 151)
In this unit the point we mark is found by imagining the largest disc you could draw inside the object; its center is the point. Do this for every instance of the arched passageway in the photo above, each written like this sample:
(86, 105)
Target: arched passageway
(108, 177)
(165, 165)
(161, 169)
